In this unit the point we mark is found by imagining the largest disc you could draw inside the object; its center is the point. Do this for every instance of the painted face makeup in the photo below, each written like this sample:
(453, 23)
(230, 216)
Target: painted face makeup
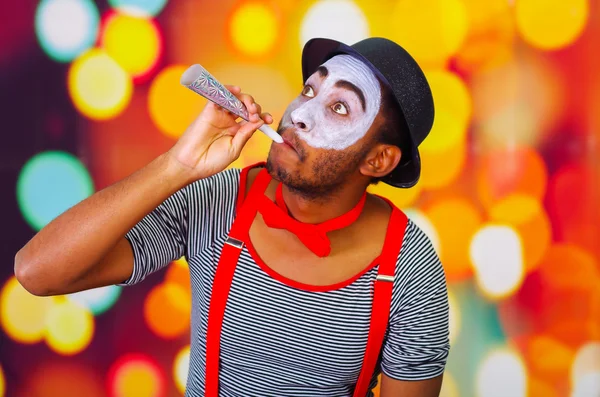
(335, 109)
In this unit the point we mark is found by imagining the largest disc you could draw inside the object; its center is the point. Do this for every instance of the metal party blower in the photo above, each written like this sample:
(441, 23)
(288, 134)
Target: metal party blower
(197, 79)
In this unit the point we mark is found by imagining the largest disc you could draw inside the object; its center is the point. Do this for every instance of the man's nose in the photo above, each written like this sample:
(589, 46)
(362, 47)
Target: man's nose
(302, 118)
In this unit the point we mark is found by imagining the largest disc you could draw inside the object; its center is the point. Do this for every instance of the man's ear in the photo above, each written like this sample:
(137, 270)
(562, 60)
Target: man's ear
(381, 160)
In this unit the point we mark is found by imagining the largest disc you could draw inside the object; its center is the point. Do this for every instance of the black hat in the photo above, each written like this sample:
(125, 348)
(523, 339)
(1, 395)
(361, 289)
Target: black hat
(396, 68)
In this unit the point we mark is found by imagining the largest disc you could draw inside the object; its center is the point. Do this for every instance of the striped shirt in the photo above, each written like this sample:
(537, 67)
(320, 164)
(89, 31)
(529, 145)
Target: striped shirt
(281, 340)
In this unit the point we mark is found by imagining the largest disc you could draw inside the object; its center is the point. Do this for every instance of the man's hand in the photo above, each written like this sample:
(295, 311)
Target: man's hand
(215, 139)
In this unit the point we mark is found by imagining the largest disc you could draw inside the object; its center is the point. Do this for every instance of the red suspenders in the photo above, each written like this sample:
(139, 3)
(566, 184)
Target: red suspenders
(382, 298)
(224, 275)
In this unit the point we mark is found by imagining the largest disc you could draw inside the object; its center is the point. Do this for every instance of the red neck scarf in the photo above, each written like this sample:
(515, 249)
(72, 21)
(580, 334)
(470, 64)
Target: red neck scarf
(313, 236)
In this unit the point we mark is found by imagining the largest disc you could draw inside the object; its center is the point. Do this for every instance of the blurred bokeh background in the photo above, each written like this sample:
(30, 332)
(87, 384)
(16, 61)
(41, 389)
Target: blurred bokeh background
(510, 192)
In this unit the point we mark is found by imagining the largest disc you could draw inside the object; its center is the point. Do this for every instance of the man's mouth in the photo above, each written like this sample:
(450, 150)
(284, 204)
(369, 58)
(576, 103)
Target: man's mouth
(289, 143)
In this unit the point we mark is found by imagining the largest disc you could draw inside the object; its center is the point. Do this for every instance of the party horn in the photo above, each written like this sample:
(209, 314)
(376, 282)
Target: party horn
(197, 79)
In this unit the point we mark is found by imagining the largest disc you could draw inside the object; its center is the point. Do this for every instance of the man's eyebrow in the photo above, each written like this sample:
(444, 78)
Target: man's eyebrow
(323, 72)
(349, 86)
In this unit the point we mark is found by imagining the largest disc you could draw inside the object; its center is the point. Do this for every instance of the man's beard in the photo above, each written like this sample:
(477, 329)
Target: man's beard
(329, 172)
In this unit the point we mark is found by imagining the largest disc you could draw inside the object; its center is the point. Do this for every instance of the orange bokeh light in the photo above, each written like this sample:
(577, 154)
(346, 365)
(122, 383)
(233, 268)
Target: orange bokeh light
(559, 300)
(135, 375)
(490, 38)
(529, 218)
(167, 310)
(573, 204)
(180, 275)
(60, 378)
(507, 171)
(441, 168)
(456, 221)
(547, 358)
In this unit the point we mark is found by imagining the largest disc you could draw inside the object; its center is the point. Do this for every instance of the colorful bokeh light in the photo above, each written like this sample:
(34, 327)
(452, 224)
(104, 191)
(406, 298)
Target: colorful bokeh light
(551, 24)
(173, 107)
(136, 375)
(143, 8)
(181, 368)
(167, 310)
(586, 361)
(502, 372)
(260, 19)
(400, 197)
(502, 172)
(57, 377)
(99, 88)
(491, 36)
(97, 300)
(23, 315)
(66, 28)
(454, 315)
(2, 382)
(135, 43)
(456, 221)
(341, 20)
(497, 257)
(431, 30)
(70, 327)
(49, 184)
(528, 217)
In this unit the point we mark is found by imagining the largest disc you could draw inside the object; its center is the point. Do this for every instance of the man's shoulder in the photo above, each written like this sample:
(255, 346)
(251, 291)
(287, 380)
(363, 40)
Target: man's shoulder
(229, 178)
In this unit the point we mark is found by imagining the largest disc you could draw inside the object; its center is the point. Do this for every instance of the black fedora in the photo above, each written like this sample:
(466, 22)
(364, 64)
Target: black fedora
(396, 68)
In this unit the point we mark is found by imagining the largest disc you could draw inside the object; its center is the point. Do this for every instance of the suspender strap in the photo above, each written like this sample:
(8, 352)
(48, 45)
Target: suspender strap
(382, 298)
(223, 278)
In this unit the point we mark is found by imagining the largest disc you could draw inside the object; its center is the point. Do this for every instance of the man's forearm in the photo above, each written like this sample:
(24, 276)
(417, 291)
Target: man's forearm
(74, 242)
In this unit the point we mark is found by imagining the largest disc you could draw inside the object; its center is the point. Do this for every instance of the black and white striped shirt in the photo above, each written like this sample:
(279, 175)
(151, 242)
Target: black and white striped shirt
(281, 340)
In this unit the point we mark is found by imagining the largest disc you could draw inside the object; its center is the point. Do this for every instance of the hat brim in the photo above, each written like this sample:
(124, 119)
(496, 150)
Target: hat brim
(316, 52)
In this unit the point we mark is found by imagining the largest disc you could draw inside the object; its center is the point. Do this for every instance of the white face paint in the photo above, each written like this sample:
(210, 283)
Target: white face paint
(328, 114)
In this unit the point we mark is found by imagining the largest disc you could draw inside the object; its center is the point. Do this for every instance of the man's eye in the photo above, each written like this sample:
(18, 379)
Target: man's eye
(340, 108)
(308, 91)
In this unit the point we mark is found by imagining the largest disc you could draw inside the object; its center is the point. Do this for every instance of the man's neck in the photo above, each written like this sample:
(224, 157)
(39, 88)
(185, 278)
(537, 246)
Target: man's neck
(311, 210)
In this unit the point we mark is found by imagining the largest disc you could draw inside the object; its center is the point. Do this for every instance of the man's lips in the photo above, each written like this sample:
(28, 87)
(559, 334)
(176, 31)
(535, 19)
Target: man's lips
(289, 143)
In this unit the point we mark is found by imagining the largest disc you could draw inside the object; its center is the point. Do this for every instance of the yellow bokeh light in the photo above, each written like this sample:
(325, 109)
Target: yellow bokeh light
(441, 168)
(259, 19)
(551, 24)
(456, 221)
(496, 253)
(450, 93)
(173, 107)
(23, 315)
(449, 386)
(167, 310)
(430, 30)
(490, 40)
(133, 42)
(99, 88)
(182, 262)
(181, 368)
(502, 369)
(448, 132)
(548, 357)
(400, 197)
(70, 327)
(137, 377)
(455, 316)
(2, 383)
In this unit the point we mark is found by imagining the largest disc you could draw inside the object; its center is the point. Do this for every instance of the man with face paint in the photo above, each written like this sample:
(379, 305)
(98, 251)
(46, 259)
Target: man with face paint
(303, 284)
